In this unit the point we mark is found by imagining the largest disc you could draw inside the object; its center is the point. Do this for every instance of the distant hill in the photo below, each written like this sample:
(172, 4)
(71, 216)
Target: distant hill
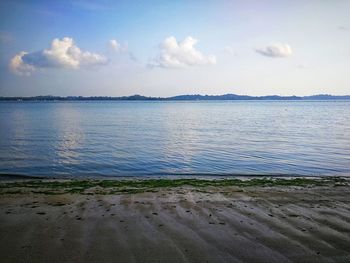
(232, 97)
(326, 97)
(177, 98)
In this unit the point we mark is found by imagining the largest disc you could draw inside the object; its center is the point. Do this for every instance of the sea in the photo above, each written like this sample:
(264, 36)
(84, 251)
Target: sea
(175, 138)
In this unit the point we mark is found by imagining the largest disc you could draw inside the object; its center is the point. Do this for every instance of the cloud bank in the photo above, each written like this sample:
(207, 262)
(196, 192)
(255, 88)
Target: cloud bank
(62, 54)
(277, 50)
(174, 54)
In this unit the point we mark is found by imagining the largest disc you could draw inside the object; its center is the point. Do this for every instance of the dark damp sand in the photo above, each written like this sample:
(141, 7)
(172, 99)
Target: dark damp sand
(187, 224)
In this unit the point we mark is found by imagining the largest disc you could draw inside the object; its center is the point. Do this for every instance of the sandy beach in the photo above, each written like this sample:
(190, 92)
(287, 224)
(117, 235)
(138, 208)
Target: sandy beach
(182, 223)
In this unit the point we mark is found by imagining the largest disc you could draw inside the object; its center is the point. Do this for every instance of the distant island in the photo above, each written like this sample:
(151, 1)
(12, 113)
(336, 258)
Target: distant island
(176, 98)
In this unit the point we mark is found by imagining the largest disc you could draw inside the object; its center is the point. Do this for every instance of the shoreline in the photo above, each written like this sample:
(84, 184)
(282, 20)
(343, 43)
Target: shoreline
(216, 176)
(181, 220)
(143, 184)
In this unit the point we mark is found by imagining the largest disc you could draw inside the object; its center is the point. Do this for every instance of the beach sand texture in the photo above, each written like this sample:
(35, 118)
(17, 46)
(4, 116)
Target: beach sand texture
(179, 224)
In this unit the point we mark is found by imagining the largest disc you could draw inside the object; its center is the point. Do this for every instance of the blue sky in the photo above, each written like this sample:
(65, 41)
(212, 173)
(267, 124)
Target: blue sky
(165, 48)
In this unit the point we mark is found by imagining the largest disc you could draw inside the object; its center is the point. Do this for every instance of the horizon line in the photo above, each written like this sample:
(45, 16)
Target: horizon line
(188, 96)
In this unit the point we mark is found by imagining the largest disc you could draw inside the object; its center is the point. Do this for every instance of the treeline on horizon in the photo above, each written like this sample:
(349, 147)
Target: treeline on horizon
(176, 98)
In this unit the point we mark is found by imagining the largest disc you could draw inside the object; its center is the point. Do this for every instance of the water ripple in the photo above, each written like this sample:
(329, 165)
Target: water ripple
(162, 138)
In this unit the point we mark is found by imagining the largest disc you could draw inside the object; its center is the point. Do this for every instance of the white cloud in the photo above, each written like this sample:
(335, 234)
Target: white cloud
(276, 50)
(118, 47)
(62, 54)
(18, 67)
(174, 54)
(115, 45)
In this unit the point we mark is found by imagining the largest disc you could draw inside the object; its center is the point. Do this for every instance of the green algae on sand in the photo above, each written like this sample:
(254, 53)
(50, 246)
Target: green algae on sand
(47, 186)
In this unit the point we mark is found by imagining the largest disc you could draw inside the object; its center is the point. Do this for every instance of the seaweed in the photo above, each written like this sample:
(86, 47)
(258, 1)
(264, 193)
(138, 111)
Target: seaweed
(153, 185)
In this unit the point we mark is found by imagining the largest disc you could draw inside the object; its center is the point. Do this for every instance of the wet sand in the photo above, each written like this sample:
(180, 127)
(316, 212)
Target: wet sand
(182, 224)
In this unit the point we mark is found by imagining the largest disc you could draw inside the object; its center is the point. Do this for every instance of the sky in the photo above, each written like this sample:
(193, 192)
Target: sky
(166, 48)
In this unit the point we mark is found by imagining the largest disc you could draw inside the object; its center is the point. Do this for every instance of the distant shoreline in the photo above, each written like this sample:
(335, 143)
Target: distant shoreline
(196, 97)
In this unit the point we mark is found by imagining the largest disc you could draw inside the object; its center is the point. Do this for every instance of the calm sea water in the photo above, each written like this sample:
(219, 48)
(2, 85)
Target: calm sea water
(175, 138)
